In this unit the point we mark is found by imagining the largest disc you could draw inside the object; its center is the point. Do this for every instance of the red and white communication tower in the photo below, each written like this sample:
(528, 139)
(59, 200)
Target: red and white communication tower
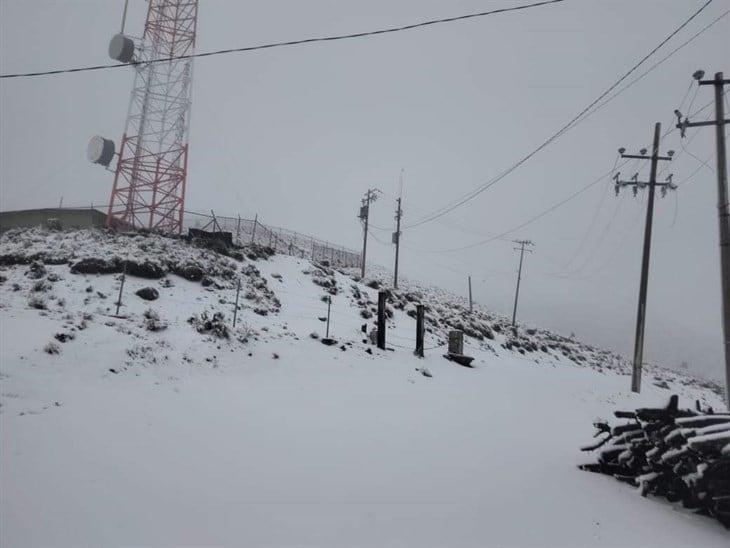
(151, 172)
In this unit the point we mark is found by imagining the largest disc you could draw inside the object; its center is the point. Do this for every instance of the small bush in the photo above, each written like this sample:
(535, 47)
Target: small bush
(152, 321)
(52, 348)
(38, 302)
(214, 325)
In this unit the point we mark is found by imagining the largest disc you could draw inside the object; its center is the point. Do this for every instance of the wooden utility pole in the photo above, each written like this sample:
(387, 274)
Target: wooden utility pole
(396, 241)
(644, 282)
(370, 196)
(522, 250)
(471, 303)
(723, 204)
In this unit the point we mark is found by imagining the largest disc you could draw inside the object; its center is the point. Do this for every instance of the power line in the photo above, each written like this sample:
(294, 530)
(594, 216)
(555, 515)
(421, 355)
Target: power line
(556, 205)
(288, 43)
(535, 218)
(572, 123)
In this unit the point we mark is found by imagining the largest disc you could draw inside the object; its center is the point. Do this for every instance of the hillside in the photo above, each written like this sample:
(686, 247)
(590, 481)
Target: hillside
(166, 426)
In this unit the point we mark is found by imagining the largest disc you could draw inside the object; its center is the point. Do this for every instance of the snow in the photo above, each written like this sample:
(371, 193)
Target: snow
(200, 440)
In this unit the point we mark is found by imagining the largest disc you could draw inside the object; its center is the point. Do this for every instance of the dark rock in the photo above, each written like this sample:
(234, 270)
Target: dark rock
(207, 281)
(148, 293)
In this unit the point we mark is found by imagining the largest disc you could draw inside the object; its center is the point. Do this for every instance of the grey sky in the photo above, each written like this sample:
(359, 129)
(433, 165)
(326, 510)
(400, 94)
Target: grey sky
(298, 134)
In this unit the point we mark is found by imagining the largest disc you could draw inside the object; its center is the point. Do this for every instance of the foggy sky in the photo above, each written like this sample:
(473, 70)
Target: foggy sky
(297, 135)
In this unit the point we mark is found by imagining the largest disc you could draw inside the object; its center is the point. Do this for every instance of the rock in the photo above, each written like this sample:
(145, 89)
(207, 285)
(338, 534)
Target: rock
(207, 281)
(148, 293)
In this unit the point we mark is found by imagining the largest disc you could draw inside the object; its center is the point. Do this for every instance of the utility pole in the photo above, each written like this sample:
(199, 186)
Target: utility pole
(370, 196)
(471, 303)
(723, 203)
(396, 241)
(522, 250)
(644, 282)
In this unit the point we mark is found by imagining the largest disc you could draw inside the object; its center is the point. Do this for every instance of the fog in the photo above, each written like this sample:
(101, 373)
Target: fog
(297, 135)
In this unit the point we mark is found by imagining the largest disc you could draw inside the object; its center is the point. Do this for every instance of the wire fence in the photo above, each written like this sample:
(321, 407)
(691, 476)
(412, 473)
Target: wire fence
(282, 240)
(243, 231)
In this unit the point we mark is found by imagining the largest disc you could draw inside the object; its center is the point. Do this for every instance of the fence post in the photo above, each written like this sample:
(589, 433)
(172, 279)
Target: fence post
(238, 229)
(121, 287)
(312, 248)
(235, 310)
(290, 246)
(329, 305)
(420, 330)
(253, 232)
(381, 319)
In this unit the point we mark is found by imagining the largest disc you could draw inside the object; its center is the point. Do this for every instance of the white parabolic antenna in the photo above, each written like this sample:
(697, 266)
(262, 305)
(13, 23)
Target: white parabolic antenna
(100, 150)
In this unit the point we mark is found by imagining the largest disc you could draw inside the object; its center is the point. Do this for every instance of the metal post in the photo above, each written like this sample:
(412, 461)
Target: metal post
(124, 15)
(420, 330)
(643, 284)
(381, 319)
(121, 287)
(235, 310)
(238, 229)
(329, 306)
(253, 232)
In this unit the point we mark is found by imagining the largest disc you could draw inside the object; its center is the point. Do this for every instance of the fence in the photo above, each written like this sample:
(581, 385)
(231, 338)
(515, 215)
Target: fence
(282, 240)
(245, 231)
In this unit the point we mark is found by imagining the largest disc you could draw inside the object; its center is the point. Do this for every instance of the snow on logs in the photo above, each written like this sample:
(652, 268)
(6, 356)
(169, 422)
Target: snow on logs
(682, 455)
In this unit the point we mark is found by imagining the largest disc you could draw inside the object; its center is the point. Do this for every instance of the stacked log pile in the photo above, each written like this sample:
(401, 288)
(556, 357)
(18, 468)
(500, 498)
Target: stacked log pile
(680, 454)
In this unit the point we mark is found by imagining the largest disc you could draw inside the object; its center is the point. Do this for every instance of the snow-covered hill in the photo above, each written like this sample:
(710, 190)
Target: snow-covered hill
(166, 426)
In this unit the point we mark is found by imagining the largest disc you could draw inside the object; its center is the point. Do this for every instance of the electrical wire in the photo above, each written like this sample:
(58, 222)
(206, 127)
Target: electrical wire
(555, 206)
(287, 43)
(565, 128)
(537, 217)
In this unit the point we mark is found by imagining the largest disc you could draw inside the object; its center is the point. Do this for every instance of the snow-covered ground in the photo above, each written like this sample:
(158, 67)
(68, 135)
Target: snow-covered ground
(129, 434)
